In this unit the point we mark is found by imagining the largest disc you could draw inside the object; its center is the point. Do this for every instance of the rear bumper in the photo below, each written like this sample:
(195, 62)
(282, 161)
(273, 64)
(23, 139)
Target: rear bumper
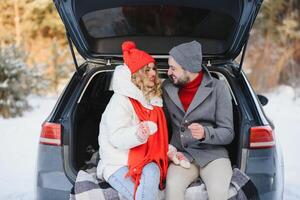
(265, 168)
(51, 181)
(50, 194)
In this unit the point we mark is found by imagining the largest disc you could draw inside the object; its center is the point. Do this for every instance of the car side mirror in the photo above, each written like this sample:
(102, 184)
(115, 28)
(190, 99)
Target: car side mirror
(263, 100)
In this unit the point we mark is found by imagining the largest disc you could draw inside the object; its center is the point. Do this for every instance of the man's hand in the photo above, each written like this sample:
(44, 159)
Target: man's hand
(197, 131)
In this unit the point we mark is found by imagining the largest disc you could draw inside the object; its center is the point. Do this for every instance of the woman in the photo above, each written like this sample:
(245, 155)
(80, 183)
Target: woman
(133, 132)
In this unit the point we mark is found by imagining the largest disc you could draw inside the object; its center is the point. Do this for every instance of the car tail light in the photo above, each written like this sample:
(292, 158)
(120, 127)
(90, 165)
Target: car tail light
(261, 137)
(51, 134)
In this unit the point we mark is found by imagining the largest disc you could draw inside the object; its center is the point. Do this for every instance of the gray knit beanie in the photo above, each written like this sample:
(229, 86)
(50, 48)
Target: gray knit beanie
(188, 55)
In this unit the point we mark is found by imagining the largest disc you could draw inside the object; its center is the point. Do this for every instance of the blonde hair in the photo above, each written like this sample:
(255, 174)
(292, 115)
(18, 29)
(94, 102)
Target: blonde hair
(138, 79)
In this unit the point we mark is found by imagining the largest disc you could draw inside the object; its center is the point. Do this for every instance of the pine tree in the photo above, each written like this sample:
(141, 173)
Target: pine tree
(276, 36)
(16, 82)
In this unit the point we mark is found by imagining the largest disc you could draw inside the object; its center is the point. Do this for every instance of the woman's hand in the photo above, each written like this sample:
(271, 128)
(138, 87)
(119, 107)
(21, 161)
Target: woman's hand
(183, 161)
(172, 154)
(146, 128)
(178, 158)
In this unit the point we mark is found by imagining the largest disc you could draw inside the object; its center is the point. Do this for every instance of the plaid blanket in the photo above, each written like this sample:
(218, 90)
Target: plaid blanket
(88, 187)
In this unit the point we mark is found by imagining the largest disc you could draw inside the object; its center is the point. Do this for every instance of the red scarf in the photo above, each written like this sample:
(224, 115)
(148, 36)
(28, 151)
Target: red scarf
(154, 150)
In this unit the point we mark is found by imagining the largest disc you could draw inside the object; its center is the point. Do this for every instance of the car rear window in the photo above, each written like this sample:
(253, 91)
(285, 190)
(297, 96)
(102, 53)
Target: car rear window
(158, 21)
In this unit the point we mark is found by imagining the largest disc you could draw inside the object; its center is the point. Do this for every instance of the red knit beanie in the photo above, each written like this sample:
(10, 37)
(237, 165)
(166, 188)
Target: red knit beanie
(134, 58)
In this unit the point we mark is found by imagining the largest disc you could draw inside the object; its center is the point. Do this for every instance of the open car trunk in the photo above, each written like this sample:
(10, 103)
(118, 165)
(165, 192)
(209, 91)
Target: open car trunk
(98, 28)
(92, 104)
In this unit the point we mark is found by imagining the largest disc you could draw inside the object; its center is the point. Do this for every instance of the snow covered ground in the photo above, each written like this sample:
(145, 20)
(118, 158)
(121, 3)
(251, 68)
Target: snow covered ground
(284, 110)
(19, 139)
(18, 150)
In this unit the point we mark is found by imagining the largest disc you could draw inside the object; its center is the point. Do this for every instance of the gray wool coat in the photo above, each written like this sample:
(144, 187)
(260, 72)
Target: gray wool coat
(212, 108)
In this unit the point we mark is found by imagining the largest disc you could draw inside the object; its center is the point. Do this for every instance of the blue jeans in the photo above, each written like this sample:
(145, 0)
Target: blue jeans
(148, 188)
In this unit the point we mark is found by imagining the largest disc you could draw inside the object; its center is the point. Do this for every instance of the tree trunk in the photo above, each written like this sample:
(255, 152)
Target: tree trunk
(17, 22)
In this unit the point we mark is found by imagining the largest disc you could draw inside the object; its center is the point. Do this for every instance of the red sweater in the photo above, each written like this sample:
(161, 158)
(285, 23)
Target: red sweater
(187, 92)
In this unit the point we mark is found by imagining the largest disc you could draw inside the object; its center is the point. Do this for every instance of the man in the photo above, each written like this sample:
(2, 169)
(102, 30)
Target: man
(200, 111)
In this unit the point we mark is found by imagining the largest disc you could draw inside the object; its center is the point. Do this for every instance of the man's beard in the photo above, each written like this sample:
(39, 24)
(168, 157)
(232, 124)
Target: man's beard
(181, 80)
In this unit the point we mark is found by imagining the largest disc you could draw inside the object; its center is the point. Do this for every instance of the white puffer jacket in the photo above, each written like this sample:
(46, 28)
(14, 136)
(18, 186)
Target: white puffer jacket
(119, 123)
